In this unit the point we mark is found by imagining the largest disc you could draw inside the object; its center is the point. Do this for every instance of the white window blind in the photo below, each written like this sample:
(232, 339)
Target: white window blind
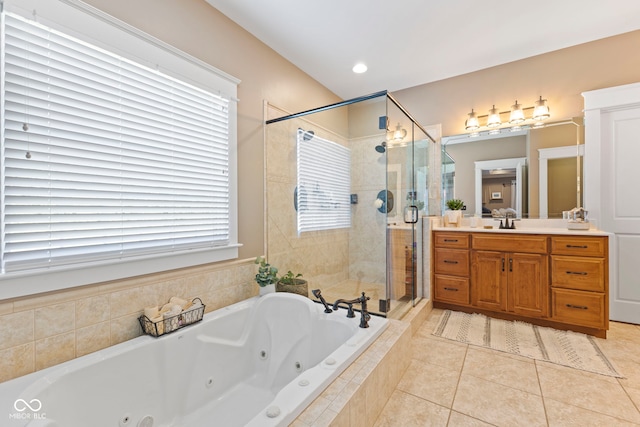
(104, 158)
(323, 184)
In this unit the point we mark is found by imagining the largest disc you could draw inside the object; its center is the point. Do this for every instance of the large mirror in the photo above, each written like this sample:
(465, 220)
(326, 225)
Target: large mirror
(530, 173)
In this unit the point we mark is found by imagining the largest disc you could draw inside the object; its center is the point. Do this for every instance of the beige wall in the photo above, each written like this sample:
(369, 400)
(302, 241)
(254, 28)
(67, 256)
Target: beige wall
(559, 76)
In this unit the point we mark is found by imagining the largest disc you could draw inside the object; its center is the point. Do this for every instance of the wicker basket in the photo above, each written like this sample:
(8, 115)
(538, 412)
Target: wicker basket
(300, 287)
(173, 323)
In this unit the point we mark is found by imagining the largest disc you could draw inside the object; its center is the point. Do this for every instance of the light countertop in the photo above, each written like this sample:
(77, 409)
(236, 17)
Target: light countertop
(524, 230)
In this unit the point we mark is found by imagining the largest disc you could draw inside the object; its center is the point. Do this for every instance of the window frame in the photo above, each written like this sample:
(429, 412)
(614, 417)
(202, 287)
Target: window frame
(95, 27)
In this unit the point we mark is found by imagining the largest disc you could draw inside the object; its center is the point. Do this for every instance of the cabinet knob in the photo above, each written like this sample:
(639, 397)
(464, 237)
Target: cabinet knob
(451, 289)
(578, 246)
(451, 240)
(579, 307)
(448, 261)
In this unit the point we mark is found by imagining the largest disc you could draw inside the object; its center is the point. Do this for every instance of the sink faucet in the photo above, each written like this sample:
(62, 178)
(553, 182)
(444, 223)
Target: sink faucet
(506, 225)
(364, 314)
(316, 293)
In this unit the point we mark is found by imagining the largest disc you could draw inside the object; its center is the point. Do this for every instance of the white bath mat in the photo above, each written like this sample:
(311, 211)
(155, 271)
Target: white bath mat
(566, 348)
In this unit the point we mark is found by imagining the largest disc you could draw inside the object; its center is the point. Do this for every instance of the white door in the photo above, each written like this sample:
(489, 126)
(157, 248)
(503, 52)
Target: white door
(620, 208)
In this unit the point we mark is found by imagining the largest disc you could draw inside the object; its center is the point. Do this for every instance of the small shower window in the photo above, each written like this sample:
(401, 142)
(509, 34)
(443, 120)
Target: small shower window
(323, 183)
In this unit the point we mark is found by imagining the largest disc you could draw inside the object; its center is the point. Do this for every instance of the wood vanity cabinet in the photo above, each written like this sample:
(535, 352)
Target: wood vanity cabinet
(547, 279)
(451, 267)
(579, 278)
(510, 274)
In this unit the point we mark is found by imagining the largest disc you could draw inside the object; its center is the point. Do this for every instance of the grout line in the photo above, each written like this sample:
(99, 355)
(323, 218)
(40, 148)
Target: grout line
(455, 392)
(544, 405)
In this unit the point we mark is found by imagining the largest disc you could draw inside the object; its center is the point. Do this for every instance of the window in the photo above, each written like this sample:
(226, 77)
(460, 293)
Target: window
(105, 159)
(323, 192)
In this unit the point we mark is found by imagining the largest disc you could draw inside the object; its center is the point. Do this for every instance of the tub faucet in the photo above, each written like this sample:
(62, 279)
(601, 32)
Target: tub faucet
(316, 293)
(364, 314)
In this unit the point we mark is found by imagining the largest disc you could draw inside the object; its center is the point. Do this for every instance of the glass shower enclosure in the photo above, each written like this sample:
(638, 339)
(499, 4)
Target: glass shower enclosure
(347, 188)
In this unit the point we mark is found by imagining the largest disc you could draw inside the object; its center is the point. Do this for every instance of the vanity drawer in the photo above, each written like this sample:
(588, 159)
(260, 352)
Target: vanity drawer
(452, 289)
(452, 261)
(578, 273)
(580, 246)
(578, 307)
(507, 242)
(451, 240)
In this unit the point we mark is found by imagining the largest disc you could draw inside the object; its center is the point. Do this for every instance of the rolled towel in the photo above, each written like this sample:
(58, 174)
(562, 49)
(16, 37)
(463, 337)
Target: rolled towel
(181, 302)
(151, 312)
(171, 307)
(159, 322)
(171, 319)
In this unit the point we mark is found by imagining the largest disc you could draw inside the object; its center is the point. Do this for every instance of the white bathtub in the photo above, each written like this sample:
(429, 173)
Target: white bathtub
(258, 363)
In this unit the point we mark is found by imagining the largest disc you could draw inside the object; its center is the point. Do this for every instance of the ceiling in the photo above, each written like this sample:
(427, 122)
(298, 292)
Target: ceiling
(406, 43)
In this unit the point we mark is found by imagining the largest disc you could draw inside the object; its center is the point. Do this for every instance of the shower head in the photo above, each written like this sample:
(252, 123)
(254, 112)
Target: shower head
(381, 148)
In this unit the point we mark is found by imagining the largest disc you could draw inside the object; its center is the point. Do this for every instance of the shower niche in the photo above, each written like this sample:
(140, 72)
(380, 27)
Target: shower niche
(360, 171)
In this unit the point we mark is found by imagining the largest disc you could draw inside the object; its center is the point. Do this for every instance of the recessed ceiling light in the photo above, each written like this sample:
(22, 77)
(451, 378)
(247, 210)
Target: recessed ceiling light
(359, 68)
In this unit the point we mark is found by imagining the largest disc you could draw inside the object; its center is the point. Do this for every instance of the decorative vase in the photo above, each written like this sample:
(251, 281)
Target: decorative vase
(452, 218)
(267, 289)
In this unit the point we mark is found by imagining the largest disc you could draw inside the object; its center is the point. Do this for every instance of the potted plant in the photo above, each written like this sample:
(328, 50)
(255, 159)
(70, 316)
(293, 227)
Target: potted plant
(453, 216)
(292, 283)
(267, 276)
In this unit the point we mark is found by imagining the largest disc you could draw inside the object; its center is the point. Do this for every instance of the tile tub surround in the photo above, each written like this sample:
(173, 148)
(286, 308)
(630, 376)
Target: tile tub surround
(47, 329)
(358, 396)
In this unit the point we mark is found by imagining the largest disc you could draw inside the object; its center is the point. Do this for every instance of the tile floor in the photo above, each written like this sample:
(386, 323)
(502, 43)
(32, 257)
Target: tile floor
(454, 384)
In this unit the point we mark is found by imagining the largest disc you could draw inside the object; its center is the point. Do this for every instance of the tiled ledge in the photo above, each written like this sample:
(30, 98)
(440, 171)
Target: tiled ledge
(358, 396)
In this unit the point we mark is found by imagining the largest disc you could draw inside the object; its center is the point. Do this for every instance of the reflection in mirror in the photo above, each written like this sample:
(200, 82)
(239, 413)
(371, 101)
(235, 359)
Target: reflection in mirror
(539, 189)
(559, 190)
(500, 188)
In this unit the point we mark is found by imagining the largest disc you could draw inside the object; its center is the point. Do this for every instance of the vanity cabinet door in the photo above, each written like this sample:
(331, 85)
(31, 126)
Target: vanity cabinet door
(489, 280)
(528, 287)
(511, 282)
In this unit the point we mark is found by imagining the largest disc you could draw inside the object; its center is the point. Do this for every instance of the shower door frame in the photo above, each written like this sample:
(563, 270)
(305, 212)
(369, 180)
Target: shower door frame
(390, 100)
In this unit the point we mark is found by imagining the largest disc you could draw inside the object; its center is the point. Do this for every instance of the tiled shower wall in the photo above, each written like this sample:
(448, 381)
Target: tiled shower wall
(44, 330)
(322, 257)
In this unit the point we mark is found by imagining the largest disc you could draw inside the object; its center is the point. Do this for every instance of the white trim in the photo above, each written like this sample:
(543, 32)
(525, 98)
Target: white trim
(612, 98)
(544, 154)
(85, 22)
(460, 139)
(13, 285)
(597, 104)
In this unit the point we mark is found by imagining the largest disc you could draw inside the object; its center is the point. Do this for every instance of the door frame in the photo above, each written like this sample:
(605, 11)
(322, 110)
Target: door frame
(599, 103)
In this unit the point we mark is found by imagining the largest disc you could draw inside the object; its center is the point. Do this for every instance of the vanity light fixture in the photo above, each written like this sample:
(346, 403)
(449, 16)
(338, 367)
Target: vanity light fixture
(541, 110)
(472, 122)
(518, 117)
(494, 118)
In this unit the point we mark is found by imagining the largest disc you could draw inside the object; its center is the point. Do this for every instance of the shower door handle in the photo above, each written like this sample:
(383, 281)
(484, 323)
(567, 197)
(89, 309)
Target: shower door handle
(411, 215)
